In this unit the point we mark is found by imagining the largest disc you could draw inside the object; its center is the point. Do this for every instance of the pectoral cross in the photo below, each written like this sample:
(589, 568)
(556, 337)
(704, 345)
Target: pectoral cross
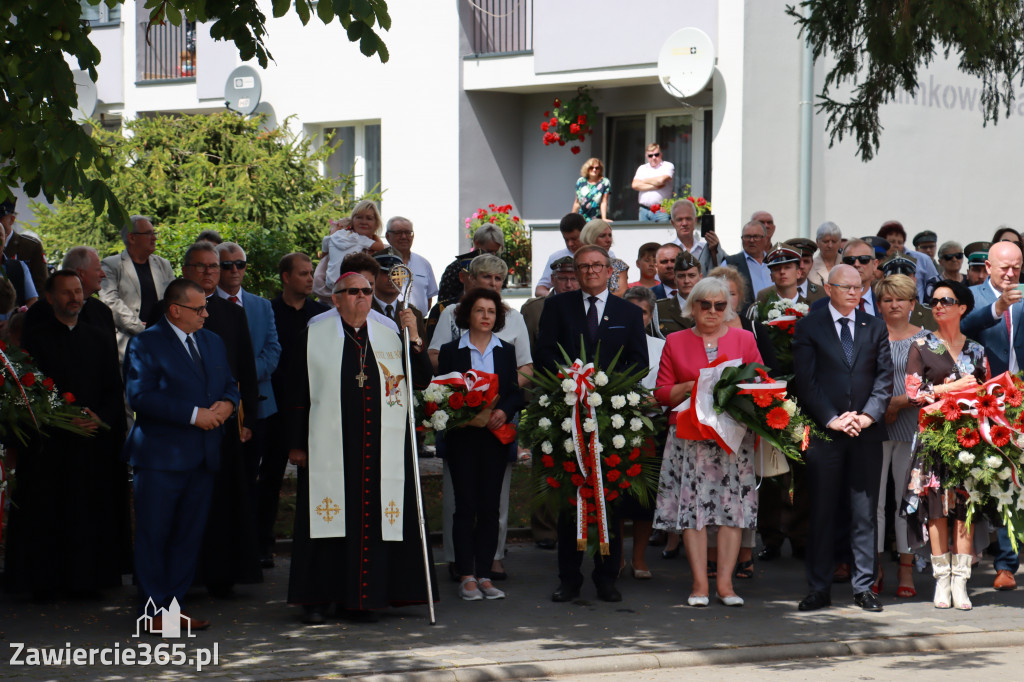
(361, 377)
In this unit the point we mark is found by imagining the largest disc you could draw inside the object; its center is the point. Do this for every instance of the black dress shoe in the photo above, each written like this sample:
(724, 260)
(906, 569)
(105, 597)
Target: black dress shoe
(867, 600)
(546, 544)
(815, 601)
(608, 593)
(670, 553)
(565, 593)
(769, 553)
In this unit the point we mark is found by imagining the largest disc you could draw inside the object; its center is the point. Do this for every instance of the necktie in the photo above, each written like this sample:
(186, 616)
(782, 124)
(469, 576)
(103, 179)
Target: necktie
(194, 352)
(592, 317)
(671, 293)
(389, 310)
(846, 338)
(1009, 326)
(862, 307)
(233, 299)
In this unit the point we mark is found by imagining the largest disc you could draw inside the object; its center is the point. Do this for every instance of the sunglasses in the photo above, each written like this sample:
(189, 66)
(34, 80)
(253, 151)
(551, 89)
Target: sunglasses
(945, 302)
(355, 291)
(952, 256)
(863, 260)
(232, 264)
(719, 306)
(654, 155)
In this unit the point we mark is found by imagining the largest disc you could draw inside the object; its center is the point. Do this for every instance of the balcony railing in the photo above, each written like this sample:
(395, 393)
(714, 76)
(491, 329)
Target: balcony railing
(168, 52)
(501, 26)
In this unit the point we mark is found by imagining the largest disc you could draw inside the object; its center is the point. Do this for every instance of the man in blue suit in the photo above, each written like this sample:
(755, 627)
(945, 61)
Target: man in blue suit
(265, 347)
(178, 382)
(995, 320)
(594, 316)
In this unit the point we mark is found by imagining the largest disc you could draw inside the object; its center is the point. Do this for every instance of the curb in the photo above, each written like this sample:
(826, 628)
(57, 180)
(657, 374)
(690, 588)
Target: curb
(725, 656)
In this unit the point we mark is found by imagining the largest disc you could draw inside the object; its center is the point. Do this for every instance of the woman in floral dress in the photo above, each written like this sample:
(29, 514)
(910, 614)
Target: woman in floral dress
(592, 190)
(702, 485)
(938, 363)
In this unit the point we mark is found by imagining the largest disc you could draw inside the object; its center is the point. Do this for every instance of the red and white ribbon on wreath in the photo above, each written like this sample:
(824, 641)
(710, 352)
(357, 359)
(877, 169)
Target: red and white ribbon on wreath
(969, 402)
(587, 458)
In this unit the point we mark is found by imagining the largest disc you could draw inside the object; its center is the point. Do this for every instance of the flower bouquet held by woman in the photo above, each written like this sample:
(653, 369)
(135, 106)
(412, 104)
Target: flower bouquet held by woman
(590, 427)
(456, 400)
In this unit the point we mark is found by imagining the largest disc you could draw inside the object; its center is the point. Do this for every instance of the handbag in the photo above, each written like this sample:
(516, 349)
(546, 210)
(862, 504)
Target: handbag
(769, 460)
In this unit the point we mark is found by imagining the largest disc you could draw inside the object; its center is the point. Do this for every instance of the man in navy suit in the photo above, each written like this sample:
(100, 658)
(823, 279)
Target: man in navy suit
(844, 382)
(178, 382)
(996, 319)
(598, 319)
(665, 259)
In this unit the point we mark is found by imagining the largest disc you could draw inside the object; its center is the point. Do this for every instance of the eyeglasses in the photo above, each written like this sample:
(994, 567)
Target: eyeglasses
(401, 233)
(719, 306)
(945, 302)
(595, 168)
(654, 155)
(753, 237)
(863, 260)
(952, 256)
(587, 267)
(153, 234)
(198, 310)
(845, 288)
(213, 267)
(356, 291)
(232, 264)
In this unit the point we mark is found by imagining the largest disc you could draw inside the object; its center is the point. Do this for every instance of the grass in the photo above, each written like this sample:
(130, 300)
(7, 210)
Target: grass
(520, 496)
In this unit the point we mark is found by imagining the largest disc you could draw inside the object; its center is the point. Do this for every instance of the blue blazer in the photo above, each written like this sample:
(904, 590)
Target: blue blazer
(979, 325)
(265, 347)
(827, 386)
(659, 291)
(564, 322)
(163, 387)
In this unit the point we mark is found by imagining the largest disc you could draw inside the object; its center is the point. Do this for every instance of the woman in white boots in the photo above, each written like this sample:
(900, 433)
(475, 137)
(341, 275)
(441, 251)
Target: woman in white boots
(936, 364)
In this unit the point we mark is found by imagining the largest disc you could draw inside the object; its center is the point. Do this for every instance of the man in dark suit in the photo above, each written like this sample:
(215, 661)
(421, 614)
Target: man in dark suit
(668, 314)
(606, 324)
(996, 319)
(750, 261)
(84, 261)
(843, 381)
(665, 260)
(179, 384)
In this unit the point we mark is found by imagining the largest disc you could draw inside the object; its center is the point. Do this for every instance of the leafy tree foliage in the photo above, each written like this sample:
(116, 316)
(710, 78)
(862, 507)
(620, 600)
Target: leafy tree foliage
(879, 46)
(41, 146)
(218, 171)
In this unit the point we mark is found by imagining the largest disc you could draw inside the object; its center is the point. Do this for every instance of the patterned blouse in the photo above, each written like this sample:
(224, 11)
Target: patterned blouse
(929, 364)
(589, 195)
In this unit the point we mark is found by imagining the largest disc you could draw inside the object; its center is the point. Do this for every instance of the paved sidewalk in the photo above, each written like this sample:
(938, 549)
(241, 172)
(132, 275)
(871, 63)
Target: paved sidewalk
(260, 637)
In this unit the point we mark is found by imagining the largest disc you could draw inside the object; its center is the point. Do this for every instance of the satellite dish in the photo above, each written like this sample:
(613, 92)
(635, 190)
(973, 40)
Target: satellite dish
(270, 122)
(243, 89)
(686, 62)
(87, 97)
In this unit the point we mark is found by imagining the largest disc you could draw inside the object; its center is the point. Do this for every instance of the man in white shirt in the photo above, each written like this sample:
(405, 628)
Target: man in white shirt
(653, 181)
(705, 249)
(400, 235)
(570, 227)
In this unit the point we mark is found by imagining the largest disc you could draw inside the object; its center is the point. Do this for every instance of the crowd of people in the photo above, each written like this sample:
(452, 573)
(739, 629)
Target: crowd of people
(207, 391)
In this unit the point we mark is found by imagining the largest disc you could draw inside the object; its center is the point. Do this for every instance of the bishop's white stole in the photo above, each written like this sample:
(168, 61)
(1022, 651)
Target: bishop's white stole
(324, 352)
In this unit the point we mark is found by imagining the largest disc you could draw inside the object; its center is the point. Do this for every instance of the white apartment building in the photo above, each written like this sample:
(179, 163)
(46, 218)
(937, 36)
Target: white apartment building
(452, 122)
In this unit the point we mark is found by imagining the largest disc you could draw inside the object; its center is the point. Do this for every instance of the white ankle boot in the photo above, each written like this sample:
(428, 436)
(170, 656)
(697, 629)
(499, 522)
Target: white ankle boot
(961, 574)
(943, 578)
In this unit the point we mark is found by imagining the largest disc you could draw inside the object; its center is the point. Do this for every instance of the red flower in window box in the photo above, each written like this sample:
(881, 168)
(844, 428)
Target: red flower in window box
(575, 149)
(574, 128)
(557, 103)
(544, 126)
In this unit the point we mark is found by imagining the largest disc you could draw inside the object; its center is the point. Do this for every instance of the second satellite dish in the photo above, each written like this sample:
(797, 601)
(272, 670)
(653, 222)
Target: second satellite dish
(243, 89)
(686, 62)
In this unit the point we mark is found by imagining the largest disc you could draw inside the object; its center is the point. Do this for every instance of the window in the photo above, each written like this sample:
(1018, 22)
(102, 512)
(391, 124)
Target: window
(358, 154)
(100, 14)
(681, 137)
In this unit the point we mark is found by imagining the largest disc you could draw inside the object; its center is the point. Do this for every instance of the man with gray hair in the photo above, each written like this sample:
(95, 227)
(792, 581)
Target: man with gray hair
(487, 239)
(400, 235)
(134, 280)
(85, 262)
(750, 262)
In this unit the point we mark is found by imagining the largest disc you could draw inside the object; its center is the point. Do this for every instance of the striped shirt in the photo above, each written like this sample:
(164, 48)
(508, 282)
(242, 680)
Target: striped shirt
(905, 426)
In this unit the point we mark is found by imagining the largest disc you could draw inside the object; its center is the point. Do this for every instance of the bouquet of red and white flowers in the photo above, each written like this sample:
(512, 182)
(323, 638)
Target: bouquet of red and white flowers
(455, 400)
(780, 315)
(978, 436)
(592, 432)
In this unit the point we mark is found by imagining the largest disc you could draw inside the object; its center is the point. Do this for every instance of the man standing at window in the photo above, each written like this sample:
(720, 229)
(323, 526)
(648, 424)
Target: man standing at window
(653, 181)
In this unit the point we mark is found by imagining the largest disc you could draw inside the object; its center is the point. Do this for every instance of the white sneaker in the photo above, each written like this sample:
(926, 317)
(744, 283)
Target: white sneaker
(490, 592)
(470, 595)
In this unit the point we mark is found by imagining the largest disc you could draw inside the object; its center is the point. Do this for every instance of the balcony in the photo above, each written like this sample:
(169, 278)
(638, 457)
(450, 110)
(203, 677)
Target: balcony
(500, 27)
(166, 53)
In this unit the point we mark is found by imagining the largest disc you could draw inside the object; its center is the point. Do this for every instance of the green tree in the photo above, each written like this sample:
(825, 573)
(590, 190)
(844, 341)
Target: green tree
(879, 46)
(45, 150)
(219, 171)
